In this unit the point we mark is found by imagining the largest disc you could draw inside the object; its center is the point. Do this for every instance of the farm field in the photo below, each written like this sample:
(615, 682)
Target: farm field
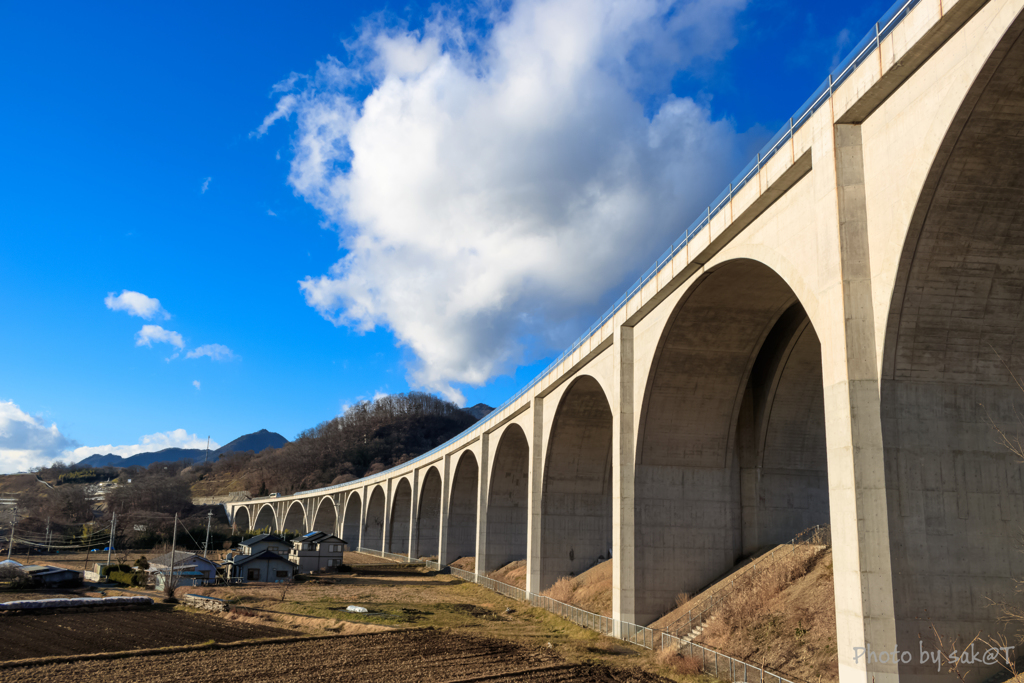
(398, 656)
(43, 635)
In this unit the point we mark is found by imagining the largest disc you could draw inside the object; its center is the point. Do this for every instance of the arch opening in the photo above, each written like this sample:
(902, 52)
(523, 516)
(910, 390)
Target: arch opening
(428, 518)
(350, 524)
(241, 521)
(373, 531)
(295, 519)
(507, 501)
(401, 511)
(266, 520)
(576, 524)
(462, 509)
(731, 454)
(326, 519)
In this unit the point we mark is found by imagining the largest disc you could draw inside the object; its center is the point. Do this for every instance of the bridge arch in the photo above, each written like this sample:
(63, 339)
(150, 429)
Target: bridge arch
(462, 508)
(373, 527)
(326, 517)
(954, 344)
(731, 452)
(266, 518)
(507, 501)
(428, 517)
(350, 523)
(295, 518)
(401, 511)
(576, 499)
(241, 520)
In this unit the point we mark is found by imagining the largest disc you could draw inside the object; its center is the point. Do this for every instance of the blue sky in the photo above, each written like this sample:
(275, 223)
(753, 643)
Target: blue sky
(350, 198)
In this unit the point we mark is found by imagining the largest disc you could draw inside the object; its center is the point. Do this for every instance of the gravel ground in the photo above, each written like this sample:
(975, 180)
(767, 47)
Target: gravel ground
(397, 657)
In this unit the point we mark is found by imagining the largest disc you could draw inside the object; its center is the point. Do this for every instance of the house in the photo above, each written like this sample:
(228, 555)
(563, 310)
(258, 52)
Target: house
(317, 550)
(265, 565)
(190, 569)
(271, 542)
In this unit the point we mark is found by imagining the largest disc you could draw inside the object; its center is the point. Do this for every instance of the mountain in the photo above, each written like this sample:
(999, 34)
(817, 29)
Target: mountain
(144, 459)
(257, 442)
(479, 411)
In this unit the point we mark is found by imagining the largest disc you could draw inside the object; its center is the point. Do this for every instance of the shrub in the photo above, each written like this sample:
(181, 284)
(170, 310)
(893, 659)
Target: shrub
(127, 578)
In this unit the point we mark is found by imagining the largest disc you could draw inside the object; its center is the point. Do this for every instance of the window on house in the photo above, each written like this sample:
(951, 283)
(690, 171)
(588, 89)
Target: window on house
(282, 573)
(253, 575)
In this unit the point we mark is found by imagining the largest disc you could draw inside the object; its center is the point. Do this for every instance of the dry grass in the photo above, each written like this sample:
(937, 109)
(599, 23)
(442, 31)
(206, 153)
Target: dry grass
(562, 590)
(677, 662)
(591, 590)
(513, 573)
(783, 615)
(467, 564)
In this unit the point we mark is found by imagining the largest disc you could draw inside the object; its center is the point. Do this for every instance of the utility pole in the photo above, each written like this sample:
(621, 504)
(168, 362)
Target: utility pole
(206, 545)
(207, 450)
(14, 521)
(47, 534)
(174, 542)
(110, 544)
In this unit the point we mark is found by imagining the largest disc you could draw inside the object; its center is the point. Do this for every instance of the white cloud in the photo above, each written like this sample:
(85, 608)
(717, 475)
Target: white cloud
(270, 212)
(176, 438)
(206, 186)
(137, 304)
(25, 442)
(492, 187)
(154, 333)
(214, 351)
(196, 384)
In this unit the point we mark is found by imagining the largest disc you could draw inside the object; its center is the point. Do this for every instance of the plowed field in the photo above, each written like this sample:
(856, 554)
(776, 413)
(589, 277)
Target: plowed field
(43, 635)
(397, 657)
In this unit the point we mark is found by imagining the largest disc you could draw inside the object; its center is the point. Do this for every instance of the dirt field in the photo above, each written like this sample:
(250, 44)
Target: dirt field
(42, 635)
(398, 656)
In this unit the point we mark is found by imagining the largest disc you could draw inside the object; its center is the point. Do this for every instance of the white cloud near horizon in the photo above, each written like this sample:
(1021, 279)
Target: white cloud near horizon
(154, 333)
(26, 442)
(176, 438)
(491, 187)
(137, 304)
(214, 351)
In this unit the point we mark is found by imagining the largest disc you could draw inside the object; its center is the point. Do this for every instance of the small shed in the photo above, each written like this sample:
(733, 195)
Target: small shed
(49, 576)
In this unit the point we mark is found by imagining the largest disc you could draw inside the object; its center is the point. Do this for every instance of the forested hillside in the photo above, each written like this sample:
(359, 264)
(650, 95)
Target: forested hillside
(369, 437)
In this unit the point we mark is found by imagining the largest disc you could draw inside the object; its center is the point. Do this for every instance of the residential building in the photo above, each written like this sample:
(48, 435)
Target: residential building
(317, 550)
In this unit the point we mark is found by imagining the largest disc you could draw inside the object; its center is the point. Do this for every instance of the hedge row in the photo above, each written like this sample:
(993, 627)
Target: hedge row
(128, 578)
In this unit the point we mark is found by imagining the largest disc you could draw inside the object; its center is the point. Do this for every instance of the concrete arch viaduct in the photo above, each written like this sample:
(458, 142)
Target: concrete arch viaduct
(832, 343)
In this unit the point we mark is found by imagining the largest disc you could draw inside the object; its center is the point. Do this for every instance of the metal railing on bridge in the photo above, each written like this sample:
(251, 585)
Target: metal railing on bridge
(882, 28)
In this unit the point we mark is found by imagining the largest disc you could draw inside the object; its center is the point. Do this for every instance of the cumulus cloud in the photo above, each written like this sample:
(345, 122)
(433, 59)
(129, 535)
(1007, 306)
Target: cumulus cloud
(489, 187)
(270, 212)
(176, 438)
(196, 384)
(214, 351)
(206, 186)
(154, 333)
(137, 304)
(26, 442)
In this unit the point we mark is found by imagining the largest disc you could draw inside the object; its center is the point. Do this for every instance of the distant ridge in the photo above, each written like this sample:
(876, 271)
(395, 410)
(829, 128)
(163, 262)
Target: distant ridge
(479, 411)
(257, 441)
